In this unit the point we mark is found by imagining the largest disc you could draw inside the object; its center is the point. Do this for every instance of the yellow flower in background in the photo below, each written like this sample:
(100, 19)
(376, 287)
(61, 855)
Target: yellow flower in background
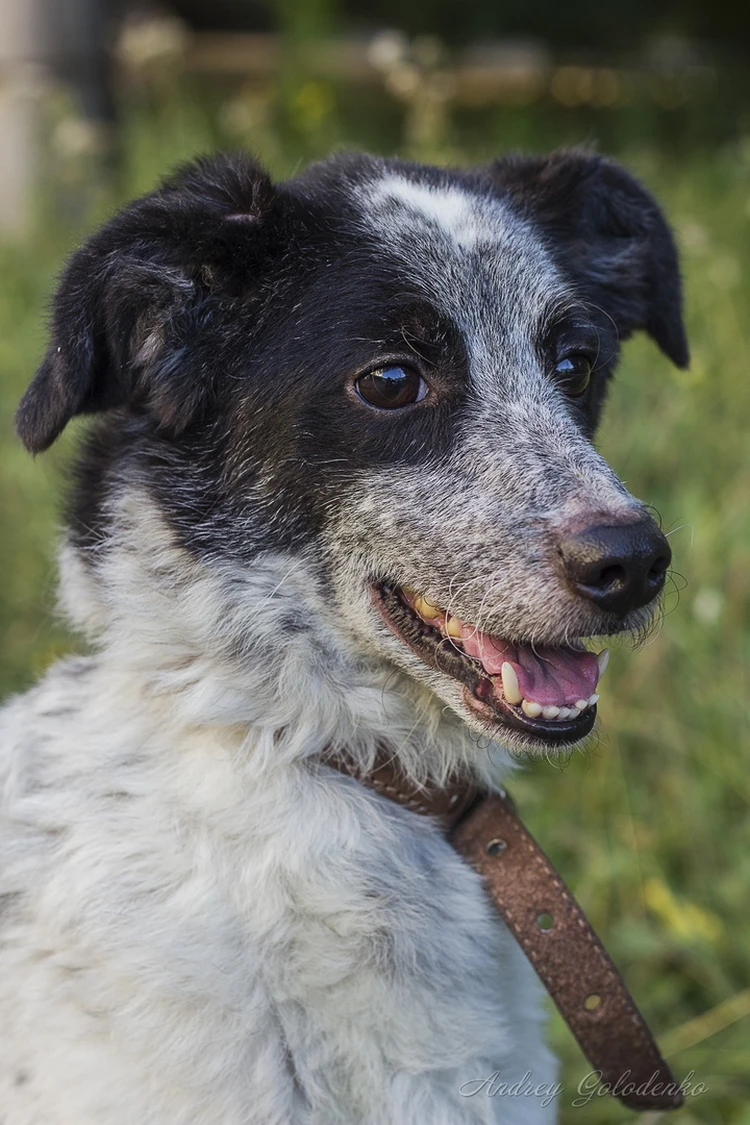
(314, 101)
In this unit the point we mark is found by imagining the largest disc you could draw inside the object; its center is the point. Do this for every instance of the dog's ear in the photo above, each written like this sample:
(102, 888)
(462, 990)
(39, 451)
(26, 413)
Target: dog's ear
(142, 289)
(608, 234)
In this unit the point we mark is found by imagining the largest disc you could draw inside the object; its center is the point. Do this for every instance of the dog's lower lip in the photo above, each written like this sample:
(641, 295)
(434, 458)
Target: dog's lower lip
(543, 730)
(477, 687)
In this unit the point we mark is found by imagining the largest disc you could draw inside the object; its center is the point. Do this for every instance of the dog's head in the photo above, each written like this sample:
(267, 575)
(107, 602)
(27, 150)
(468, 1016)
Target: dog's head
(393, 372)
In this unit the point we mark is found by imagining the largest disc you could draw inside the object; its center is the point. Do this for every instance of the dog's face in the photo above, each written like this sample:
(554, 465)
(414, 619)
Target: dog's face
(395, 371)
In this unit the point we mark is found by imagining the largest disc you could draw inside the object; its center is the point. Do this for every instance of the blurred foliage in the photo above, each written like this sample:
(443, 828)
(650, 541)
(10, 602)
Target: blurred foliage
(619, 25)
(651, 825)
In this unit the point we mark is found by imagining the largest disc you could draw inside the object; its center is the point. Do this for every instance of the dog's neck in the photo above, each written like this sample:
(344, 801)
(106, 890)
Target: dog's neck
(254, 647)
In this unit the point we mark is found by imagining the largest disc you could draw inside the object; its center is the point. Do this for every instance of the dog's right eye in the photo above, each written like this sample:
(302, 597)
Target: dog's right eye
(573, 374)
(390, 388)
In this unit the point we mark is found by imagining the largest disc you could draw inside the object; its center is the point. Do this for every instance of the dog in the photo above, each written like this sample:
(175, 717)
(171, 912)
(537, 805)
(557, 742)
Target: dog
(339, 494)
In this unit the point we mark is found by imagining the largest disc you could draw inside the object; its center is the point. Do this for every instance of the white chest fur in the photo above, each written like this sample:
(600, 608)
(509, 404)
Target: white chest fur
(195, 937)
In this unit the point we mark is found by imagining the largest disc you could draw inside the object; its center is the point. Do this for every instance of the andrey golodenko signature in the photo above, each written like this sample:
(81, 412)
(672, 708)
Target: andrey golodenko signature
(590, 1086)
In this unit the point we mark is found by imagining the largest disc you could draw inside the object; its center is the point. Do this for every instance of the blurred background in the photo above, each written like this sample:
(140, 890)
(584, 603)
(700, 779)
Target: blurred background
(98, 100)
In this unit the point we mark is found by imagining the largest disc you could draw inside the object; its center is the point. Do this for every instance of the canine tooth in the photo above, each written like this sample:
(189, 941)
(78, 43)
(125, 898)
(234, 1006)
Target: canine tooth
(511, 690)
(603, 660)
(453, 627)
(550, 712)
(593, 699)
(533, 710)
(581, 704)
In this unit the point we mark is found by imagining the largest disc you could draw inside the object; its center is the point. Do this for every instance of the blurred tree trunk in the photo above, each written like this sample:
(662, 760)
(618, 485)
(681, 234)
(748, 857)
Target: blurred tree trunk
(43, 42)
(21, 24)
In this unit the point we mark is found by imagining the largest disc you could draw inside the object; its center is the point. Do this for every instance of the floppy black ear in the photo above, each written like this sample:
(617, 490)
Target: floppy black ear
(608, 234)
(144, 286)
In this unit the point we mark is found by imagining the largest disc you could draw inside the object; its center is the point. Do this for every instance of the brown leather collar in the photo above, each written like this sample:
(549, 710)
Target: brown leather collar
(548, 924)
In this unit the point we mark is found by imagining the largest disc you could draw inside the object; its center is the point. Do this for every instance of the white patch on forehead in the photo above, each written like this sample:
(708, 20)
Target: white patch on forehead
(455, 212)
(479, 262)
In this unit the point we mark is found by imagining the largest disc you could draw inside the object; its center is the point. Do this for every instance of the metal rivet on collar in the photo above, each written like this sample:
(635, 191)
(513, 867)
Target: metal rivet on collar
(592, 1002)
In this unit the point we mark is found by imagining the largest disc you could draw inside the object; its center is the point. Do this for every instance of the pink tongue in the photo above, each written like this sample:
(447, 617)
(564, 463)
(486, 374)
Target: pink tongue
(550, 676)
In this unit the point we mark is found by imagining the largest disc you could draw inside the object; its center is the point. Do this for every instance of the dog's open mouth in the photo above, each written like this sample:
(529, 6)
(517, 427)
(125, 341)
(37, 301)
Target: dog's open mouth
(548, 692)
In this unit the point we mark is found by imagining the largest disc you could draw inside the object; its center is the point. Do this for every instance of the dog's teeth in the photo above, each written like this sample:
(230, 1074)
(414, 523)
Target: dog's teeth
(603, 660)
(582, 704)
(425, 608)
(533, 710)
(511, 690)
(567, 713)
(453, 627)
(550, 712)
(593, 699)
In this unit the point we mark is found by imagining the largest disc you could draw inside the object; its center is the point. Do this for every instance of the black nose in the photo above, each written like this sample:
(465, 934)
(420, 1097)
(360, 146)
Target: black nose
(619, 567)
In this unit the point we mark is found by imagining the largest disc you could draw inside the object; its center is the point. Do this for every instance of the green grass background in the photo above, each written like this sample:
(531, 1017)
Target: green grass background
(650, 827)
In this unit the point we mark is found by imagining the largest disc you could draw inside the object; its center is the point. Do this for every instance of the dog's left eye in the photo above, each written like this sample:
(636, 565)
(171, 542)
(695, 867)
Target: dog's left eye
(573, 374)
(391, 387)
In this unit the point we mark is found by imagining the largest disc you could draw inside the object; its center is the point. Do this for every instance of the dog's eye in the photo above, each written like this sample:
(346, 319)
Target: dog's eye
(573, 374)
(391, 387)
